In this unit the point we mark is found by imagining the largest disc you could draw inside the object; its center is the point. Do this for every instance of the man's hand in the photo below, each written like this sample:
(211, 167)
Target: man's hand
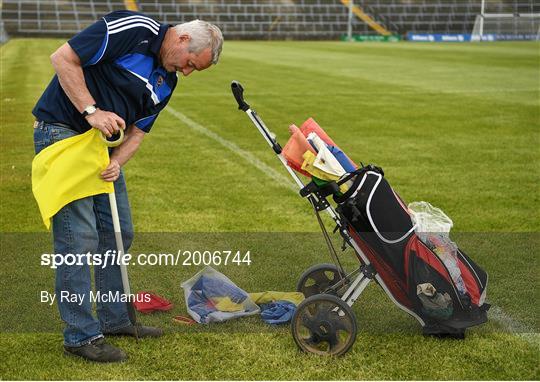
(107, 122)
(112, 172)
(121, 154)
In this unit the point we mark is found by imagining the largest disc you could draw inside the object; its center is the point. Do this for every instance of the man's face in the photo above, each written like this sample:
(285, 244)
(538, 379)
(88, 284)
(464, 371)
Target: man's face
(178, 58)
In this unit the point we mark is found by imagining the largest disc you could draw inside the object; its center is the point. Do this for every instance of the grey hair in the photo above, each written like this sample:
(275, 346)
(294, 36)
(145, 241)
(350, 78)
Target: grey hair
(203, 35)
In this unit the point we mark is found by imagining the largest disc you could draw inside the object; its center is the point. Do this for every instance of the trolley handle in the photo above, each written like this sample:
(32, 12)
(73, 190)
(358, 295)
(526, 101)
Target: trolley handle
(238, 92)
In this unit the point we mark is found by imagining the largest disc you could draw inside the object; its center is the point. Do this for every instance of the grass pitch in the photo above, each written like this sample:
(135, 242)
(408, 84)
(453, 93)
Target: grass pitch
(453, 124)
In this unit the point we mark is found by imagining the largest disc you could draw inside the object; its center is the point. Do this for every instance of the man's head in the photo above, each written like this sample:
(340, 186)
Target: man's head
(194, 45)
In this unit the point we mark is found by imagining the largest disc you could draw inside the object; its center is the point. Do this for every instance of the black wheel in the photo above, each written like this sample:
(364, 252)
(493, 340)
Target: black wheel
(318, 278)
(324, 324)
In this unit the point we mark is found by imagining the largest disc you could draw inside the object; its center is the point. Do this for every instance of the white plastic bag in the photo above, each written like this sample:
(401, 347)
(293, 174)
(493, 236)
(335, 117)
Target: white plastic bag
(429, 219)
(212, 297)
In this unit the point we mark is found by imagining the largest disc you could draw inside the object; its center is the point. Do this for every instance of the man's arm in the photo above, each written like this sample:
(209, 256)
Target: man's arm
(68, 68)
(133, 138)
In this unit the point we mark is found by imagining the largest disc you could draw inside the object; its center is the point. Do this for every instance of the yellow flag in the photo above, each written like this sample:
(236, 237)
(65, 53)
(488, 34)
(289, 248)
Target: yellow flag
(308, 166)
(69, 170)
(271, 296)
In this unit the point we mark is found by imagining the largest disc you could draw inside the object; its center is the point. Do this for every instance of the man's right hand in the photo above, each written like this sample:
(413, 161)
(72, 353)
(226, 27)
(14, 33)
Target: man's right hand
(105, 121)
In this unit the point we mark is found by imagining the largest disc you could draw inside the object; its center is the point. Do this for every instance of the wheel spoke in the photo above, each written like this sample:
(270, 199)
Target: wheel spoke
(323, 309)
(309, 321)
(341, 325)
(333, 340)
(310, 341)
(341, 322)
(321, 279)
(311, 290)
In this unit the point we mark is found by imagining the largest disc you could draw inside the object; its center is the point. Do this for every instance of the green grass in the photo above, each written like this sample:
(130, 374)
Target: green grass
(453, 124)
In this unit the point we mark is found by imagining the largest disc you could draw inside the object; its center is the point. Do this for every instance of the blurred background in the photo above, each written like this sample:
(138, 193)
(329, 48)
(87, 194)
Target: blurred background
(416, 20)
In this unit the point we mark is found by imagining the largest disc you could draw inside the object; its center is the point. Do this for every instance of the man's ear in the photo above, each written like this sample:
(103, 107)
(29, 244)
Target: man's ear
(184, 37)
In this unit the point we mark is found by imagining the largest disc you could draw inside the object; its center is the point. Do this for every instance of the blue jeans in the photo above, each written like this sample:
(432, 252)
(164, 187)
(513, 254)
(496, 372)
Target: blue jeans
(83, 226)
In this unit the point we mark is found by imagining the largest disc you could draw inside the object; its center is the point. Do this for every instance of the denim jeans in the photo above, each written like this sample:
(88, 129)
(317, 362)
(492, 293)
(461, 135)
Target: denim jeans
(83, 226)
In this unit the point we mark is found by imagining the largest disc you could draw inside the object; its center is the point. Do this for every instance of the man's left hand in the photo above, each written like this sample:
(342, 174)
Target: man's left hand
(112, 172)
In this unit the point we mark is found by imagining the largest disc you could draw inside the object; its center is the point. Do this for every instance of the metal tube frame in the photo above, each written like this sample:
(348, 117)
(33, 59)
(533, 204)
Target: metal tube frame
(362, 280)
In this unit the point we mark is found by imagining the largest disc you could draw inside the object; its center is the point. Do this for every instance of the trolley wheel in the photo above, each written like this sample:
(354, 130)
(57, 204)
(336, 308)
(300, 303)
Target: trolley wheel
(325, 325)
(318, 278)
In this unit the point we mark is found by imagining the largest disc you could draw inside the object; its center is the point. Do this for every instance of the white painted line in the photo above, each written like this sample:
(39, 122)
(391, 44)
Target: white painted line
(249, 157)
(516, 328)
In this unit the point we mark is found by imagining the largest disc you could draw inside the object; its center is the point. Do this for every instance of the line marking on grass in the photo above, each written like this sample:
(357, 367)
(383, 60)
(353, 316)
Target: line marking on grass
(514, 327)
(249, 157)
(496, 313)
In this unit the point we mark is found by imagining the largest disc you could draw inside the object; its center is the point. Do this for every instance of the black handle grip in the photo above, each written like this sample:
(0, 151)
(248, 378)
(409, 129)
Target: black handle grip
(238, 92)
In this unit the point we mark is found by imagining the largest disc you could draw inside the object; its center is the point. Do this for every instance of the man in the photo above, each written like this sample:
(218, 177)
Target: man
(119, 73)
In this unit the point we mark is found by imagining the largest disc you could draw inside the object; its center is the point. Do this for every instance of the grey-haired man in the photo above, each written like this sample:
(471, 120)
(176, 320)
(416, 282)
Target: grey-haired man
(119, 73)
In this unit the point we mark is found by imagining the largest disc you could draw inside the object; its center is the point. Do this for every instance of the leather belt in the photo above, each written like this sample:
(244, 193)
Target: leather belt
(39, 123)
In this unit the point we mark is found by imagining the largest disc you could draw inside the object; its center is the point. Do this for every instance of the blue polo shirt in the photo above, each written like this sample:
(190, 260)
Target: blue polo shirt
(119, 56)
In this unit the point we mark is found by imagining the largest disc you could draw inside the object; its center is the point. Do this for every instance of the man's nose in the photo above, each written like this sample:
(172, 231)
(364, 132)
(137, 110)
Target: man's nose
(187, 71)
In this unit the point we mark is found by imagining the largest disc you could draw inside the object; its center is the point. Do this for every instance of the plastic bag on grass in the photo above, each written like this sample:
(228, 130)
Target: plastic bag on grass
(213, 297)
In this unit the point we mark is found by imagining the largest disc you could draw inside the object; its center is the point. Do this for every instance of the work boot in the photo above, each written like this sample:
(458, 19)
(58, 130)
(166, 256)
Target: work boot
(142, 331)
(97, 351)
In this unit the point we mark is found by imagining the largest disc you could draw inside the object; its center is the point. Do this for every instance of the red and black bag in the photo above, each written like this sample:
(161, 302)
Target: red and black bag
(380, 224)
